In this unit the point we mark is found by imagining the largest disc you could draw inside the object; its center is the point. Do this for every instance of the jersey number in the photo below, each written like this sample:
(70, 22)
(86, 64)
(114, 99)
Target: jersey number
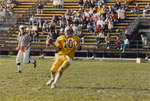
(70, 44)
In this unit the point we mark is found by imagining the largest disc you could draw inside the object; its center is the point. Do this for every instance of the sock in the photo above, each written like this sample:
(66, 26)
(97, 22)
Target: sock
(19, 67)
(57, 77)
(31, 61)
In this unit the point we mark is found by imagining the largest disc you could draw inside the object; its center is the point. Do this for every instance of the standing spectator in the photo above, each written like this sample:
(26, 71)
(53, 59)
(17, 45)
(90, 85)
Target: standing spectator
(146, 9)
(40, 9)
(144, 40)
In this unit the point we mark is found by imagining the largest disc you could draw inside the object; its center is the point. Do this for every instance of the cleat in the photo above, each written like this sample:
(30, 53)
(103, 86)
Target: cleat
(49, 82)
(34, 63)
(19, 71)
(53, 86)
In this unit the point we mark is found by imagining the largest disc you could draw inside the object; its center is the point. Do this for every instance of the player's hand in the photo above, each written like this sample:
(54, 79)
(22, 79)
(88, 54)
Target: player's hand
(17, 48)
(50, 40)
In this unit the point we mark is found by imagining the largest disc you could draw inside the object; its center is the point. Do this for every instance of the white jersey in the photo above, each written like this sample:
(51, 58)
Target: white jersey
(24, 39)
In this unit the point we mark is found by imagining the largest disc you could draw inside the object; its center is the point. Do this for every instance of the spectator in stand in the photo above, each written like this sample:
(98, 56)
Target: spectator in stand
(121, 13)
(81, 36)
(107, 40)
(117, 43)
(40, 9)
(92, 3)
(136, 9)
(126, 4)
(81, 2)
(52, 26)
(14, 3)
(100, 37)
(131, 2)
(55, 19)
(8, 4)
(100, 3)
(60, 3)
(35, 36)
(146, 9)
(32, 20)
(114, 16)
(144, 40)
(74, 28)
(45, 26)
(124, 45)
(117, 6)
(90, 27)
(55, 3)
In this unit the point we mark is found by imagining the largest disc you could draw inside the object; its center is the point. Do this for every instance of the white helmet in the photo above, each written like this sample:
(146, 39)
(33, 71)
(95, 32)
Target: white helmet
(21, 26)
(68, 31)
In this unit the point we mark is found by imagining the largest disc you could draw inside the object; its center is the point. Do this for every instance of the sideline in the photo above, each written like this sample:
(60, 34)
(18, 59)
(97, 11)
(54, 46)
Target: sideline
(77, 58)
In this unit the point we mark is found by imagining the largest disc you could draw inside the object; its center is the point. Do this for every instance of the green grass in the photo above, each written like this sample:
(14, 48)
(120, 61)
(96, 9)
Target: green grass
(84, 80)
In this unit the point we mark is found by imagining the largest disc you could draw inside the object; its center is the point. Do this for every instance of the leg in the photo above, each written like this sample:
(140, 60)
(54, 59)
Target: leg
(64, 65)
(54, 68)
(26, 58)
(18, 60)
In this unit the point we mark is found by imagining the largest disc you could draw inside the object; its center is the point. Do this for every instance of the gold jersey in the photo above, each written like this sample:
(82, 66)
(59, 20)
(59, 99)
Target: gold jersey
(67, 45)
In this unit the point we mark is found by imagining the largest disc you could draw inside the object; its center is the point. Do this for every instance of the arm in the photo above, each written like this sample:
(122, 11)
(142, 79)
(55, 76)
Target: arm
(50, 42)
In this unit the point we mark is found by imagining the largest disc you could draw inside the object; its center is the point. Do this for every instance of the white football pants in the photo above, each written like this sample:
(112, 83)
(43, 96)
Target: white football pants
(25, 56)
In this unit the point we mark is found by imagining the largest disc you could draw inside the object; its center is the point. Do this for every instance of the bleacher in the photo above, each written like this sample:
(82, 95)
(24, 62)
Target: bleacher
(48, 13)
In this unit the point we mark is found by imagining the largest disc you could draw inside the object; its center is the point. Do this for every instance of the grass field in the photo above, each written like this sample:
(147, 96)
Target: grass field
(85, 80)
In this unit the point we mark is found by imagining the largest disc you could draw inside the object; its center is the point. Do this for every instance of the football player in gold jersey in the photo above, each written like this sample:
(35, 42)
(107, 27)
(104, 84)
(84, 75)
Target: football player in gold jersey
(66, 46)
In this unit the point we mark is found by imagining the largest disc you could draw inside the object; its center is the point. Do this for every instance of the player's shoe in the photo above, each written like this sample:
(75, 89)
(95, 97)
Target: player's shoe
(53, 85)
(49, 82)
(34, 63)
(19, 71)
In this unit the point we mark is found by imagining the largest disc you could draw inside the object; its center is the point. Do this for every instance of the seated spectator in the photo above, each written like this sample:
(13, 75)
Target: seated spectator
(14, 3)
(100, 3)
(117, 43)
(117, 6)
(146, 9)
(81, 2)
(131, 2)
(8, 4)
(35, 36)
(136, 9)
(90, 27)
(32, 20)
(45, 26)
(40, 9)
(100, 37)
(124, 45)
(107, 40)
(55, 3)
(52, 26)
(121, 13)
(60, 3)
(74, 28)
(80, 35)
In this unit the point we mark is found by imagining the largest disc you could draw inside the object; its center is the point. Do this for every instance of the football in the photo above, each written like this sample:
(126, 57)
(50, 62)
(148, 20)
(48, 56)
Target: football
(49, 41)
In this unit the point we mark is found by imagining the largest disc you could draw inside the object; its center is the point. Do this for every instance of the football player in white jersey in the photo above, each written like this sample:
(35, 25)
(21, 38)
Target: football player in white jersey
(24, 45)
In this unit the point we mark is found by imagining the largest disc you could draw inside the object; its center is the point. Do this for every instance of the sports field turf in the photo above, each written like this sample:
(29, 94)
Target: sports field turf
(85, 80)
